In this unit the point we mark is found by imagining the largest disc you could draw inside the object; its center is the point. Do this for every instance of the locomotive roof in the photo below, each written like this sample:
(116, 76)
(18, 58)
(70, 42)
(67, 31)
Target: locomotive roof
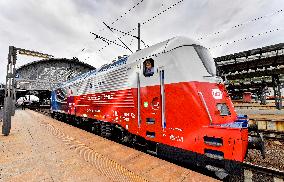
(161, 47)
(151, 51)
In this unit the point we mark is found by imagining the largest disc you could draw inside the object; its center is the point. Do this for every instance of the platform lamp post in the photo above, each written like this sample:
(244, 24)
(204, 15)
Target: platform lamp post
(10, 86)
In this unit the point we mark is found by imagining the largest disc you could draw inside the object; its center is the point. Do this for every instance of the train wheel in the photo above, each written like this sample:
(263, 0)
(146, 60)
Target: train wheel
(55, 115)
(120, 135)
(106, 129)
(77, 121)
(96, 127)
(68, 117)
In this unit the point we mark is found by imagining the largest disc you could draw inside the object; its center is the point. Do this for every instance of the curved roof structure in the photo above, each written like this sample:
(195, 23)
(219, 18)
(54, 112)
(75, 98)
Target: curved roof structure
(162, 47)
(55, 60)
(48, 73)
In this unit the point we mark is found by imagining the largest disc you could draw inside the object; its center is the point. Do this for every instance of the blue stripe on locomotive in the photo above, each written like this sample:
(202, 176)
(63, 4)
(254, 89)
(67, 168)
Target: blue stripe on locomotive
(55, 106)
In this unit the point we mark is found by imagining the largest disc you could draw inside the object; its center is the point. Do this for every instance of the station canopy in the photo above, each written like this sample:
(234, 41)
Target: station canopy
(264, 61)
(47, 74)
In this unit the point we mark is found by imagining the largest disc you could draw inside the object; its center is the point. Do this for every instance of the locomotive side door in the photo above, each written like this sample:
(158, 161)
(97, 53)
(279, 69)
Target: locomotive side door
(151, 101)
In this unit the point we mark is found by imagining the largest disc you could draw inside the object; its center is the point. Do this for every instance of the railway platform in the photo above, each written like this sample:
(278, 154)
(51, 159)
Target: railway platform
(40, 148)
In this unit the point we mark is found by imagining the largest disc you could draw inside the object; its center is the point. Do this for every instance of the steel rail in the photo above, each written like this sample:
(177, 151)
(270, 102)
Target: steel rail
(267, 170)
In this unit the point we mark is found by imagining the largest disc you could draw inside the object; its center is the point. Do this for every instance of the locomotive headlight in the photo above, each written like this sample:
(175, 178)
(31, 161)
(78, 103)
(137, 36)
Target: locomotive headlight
(223, 109)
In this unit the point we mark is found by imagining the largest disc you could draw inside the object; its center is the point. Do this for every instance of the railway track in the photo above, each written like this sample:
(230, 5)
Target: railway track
(262, 107)
(270, 135)
(274, 135)
(259, 173)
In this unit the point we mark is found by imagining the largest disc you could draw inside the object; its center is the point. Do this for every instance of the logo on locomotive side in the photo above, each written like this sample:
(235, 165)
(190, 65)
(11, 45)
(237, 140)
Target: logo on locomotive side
(217, 94)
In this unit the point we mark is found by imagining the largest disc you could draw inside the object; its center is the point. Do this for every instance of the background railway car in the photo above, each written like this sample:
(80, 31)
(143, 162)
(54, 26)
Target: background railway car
(166, 98)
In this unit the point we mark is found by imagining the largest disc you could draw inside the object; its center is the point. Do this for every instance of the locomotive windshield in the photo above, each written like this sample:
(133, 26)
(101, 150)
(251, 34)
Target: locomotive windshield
(206, 59)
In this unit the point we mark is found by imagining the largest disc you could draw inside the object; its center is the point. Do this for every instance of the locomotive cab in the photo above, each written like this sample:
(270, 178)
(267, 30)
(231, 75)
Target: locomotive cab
(183, 106)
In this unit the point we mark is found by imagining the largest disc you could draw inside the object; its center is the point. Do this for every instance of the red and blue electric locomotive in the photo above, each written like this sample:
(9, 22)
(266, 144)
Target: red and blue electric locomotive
(166, 98)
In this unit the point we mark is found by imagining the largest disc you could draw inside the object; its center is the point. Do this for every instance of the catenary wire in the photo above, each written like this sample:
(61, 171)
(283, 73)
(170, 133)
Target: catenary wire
(246, 38)
(147, 21)
(241, 24)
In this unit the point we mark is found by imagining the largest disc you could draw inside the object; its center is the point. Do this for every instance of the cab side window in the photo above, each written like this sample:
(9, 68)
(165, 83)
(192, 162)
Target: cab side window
(148, 67)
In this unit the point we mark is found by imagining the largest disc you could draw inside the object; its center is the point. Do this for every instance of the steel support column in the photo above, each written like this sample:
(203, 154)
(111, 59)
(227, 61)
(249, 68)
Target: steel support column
(263, 92)
(9, 101)
(277, 91)
(10, 87)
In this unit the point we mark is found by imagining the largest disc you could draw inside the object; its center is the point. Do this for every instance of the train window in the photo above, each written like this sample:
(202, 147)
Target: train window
(206, 59)
(223, 109)
(148, 67)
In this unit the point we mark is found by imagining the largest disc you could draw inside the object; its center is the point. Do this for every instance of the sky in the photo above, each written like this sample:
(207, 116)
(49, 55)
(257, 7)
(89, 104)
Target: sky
(62, 28)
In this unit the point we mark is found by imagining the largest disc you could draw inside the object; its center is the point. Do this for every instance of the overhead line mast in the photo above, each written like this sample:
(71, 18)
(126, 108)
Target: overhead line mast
(138, 37)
